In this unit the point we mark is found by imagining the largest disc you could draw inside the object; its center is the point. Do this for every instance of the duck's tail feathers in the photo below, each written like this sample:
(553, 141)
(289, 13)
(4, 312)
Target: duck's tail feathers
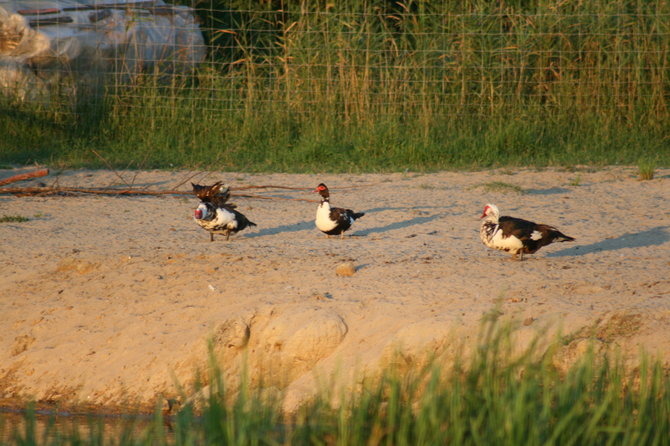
(560, 237)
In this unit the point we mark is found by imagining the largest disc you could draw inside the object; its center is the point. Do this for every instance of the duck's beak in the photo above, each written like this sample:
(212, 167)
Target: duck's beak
(198, 214)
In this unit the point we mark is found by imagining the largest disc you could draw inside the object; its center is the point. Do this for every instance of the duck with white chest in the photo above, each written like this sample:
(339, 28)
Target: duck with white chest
(515, 235)
(215, 214)
(333, 220)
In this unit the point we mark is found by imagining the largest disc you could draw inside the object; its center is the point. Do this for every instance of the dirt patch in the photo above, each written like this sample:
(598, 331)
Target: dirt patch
(21, 344)
(112, 300)
(76, 265)
(620, 326)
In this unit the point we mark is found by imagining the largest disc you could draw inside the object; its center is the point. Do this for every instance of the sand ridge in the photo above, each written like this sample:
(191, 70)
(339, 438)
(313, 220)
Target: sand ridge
(112, 300)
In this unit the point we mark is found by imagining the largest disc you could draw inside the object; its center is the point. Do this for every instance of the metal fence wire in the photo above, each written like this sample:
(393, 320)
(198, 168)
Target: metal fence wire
(357, 60)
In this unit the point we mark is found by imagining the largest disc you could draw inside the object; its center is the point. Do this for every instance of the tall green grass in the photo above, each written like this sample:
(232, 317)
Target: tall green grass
(378, 85)
(497, 396)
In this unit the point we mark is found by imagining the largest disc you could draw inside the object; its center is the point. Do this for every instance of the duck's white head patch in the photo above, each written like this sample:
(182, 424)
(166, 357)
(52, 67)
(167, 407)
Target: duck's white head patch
(490, 210)
(200, 212)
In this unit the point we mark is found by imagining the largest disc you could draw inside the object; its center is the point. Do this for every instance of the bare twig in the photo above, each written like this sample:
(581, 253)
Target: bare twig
(187, 179)
(41, 191)
(263, 197)
(109, 166)
(84, 190)
(270, 187)
(25, 176)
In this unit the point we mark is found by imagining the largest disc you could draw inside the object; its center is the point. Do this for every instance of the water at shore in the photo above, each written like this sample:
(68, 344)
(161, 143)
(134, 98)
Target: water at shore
(45, 427)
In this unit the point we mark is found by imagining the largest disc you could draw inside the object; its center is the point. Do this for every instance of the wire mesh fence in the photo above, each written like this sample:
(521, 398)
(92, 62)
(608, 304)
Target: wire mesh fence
(361, 58)
(327, 68)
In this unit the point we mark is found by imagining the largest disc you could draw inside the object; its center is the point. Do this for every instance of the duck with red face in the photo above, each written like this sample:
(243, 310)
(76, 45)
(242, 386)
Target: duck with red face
(515, 235)
(332, 220)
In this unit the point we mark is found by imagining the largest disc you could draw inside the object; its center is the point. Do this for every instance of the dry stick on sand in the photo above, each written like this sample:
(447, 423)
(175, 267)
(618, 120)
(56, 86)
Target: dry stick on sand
(25, 176)
(187, 179)
(41, 191)
(109, 166)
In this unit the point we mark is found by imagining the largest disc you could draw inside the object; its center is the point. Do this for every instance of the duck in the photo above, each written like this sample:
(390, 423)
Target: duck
(215, 214)
(332, 220)
(515, 235)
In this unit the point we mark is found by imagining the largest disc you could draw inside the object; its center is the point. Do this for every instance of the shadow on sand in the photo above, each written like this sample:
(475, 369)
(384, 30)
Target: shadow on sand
(295, 227)
(400, 224)
(309, 224)
(549, 191)
(650, 237)
(405, 208)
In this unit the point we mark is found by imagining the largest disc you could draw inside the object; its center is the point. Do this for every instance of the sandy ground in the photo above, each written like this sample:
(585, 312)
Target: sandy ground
(110, 301)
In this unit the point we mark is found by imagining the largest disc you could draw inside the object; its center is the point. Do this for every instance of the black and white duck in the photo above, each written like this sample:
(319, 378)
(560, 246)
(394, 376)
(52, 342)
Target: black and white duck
(215, 214)
(515, 235)
(332, 220)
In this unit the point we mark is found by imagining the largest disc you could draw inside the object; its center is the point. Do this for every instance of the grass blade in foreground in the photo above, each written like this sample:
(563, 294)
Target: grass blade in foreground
(494, 397)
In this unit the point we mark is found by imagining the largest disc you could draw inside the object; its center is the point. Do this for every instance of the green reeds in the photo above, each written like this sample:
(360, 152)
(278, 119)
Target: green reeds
(377, 85)
(13, 219)
(646, 169)
(497, 394)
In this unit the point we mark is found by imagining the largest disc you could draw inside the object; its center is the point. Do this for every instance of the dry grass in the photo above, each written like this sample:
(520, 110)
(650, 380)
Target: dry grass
(13, 219)
(646, 169)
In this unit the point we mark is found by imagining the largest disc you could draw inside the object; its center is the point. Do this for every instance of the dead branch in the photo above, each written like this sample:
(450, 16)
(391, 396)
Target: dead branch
(110, 167)
(82, 190)
(187, 179)
(271, 187)
(25, 176)
(263, 197)
(45, 191)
